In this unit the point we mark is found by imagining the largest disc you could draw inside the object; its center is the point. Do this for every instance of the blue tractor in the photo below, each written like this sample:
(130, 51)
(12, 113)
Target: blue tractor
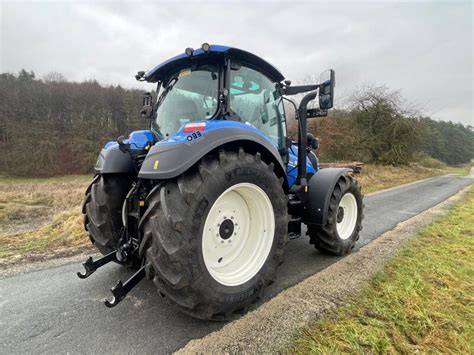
(204, 202)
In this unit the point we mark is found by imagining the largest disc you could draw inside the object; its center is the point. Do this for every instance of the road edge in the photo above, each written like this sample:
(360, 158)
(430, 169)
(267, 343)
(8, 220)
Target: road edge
(272, 326)
(17, 269)
(470, 174)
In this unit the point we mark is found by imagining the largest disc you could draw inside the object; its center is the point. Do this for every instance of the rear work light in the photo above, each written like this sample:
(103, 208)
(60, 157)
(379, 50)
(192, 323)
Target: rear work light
(194, 127)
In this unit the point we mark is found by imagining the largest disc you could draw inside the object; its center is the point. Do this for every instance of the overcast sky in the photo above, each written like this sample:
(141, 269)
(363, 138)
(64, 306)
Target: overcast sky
(425, 49)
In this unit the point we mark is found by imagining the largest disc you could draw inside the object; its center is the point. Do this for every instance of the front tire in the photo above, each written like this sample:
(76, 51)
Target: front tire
(214, 237)
(344, 222)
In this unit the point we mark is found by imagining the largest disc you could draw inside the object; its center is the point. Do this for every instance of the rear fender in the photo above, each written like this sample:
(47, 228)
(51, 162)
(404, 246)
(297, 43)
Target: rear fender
(170, 158)
(320, 188)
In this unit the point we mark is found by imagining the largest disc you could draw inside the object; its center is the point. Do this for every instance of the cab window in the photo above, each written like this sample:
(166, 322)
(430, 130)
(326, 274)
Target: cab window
(190, 95)
(255, 100)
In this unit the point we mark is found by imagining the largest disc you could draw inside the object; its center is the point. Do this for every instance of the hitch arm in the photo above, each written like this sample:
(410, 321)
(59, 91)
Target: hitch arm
(92, 265)
(119, 291)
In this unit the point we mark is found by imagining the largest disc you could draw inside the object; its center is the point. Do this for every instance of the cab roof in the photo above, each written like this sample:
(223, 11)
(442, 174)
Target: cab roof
(182, 61)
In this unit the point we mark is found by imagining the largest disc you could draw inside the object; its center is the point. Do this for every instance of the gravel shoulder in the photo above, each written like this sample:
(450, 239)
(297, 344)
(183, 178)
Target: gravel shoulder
(271, 327)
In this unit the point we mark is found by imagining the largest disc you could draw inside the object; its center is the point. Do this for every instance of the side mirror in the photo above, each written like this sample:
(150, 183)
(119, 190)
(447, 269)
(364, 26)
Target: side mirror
(147, 109)
(327, 81)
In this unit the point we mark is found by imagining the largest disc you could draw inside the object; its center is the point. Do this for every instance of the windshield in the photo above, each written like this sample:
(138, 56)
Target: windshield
(190, 95)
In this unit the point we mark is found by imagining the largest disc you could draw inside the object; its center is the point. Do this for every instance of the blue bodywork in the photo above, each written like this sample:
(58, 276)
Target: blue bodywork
(163, 71)
(151, 74)
(292, 168)
(139, 140)
(211, 125)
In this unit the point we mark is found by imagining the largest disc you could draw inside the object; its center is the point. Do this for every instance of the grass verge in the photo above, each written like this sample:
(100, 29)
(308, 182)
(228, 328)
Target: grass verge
(422, 302)
(379, 177)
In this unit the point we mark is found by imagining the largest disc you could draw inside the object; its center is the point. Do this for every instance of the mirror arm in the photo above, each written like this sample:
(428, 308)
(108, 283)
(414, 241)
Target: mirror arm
(293, 90)
(302, 131)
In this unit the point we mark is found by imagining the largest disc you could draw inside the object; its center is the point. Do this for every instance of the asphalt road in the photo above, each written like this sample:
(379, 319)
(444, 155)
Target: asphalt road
(53, 311)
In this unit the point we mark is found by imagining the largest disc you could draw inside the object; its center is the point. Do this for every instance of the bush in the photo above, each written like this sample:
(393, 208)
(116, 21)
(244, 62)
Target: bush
(428, 162)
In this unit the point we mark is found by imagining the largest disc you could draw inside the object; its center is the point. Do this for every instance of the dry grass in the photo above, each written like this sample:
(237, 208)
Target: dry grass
(26, 202)
(379, 177)
(422, 303)
(40, 215)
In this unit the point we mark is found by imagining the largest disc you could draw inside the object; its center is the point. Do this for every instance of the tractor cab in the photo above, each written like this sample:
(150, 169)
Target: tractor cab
(218, 83)
(221, 84)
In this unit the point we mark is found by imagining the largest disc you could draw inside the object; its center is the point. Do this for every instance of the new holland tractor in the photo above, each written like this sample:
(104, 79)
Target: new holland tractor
(204, 202)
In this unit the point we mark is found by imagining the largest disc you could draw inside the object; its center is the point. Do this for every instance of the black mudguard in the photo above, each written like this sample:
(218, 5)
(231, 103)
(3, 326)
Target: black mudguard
(114, 161)
(170, 160)
(320, 190)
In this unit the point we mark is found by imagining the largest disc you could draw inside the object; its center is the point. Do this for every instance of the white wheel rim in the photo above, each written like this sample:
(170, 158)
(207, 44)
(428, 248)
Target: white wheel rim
(246, 213)
(346, 216)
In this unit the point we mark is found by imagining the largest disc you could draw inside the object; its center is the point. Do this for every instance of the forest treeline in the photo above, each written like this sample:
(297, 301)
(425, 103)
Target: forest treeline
(378, 126)
(50, 126)
(55, 127)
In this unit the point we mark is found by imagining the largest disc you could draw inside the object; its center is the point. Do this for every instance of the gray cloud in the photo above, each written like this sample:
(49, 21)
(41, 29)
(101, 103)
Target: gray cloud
(425, 49)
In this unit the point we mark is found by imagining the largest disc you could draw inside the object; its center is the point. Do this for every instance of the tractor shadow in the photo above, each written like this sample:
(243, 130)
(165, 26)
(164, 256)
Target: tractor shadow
(145, 319)
(144, 308)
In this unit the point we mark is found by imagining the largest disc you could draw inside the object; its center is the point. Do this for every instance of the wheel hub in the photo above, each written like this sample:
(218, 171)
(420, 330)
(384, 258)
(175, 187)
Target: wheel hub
(340, 214)
(347, 214)
(226, 229)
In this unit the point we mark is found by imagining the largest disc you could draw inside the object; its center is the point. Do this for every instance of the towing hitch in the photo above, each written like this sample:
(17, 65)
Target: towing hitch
(92, 265)
(120, 290)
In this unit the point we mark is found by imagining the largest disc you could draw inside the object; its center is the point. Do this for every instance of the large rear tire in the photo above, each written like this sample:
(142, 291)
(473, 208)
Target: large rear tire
(214, 237)
(102, 210)
(344, 222)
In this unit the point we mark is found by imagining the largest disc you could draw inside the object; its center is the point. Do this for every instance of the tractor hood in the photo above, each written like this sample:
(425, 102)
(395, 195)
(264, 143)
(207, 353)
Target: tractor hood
(182, 61)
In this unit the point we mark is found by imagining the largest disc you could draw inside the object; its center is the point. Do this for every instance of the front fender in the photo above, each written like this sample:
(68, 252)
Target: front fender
(171, 158)
(320, 188)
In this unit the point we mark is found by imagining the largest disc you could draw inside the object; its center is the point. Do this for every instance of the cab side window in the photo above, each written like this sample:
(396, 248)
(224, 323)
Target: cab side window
(255, 100)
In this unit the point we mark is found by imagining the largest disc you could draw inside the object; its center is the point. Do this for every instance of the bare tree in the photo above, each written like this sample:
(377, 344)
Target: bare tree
(54, 77)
